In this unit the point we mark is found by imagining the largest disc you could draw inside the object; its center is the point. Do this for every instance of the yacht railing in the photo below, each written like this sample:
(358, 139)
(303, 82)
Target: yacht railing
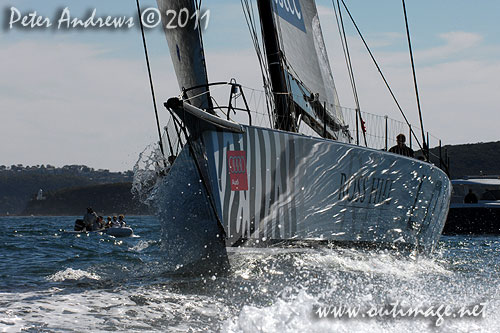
(249, 106)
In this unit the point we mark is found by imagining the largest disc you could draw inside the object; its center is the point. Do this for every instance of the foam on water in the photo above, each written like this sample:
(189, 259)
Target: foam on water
(375, 263)
(103, 310)
(72, 274)
(142, 245)
(266, 291)
(354, 278)
(295, 316)
(97, 284)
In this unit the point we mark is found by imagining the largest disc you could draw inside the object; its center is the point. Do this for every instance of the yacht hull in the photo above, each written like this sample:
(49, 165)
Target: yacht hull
(271, 185)
(265, 186)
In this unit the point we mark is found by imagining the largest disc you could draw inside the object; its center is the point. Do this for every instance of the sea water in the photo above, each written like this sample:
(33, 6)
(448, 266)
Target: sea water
(56, 282)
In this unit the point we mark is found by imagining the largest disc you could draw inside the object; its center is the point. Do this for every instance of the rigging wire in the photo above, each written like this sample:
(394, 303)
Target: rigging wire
(150, 78)
(347, 57)
(248, 11)
(426, 144)
(381, 74)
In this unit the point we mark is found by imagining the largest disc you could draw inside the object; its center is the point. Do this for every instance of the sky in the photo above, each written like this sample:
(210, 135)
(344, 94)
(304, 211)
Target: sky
(81, 96)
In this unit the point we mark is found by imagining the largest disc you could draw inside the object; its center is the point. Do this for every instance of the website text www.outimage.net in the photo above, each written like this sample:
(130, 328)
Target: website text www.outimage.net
(393, 310)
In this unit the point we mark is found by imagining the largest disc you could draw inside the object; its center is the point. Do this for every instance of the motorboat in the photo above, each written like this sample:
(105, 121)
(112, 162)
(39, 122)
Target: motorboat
(475, 206)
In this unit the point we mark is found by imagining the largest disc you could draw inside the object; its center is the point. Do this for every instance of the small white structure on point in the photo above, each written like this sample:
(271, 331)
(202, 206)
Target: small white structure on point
(40, 196)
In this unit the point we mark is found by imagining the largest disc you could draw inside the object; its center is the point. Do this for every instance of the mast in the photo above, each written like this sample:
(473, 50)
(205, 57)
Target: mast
(299, 70)
(187, 53)
(283, 117)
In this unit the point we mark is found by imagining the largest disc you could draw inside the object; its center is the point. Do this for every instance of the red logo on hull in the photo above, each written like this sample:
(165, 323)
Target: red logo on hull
(237, 163)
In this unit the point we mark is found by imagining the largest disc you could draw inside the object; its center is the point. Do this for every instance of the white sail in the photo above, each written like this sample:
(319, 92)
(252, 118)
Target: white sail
(186, 50)
(306, 60)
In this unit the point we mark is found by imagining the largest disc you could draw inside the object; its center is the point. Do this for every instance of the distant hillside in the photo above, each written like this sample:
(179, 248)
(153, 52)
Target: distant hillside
(107, 199)
(19, 184)
(471, 159)
(70, 189)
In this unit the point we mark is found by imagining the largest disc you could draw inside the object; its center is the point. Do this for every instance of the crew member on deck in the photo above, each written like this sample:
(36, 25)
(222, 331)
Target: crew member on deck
(401, 148)
(470, 198)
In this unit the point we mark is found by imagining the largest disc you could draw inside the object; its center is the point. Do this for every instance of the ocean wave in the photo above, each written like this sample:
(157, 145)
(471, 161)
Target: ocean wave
(135, 309)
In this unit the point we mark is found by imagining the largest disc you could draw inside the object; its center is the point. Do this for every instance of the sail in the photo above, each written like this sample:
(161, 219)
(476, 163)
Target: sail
(306, 60)
(186, 51)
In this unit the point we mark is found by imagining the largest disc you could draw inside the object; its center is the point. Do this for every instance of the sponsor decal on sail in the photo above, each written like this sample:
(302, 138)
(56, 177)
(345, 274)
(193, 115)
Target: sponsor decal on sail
(290, 11)
(237, 163)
